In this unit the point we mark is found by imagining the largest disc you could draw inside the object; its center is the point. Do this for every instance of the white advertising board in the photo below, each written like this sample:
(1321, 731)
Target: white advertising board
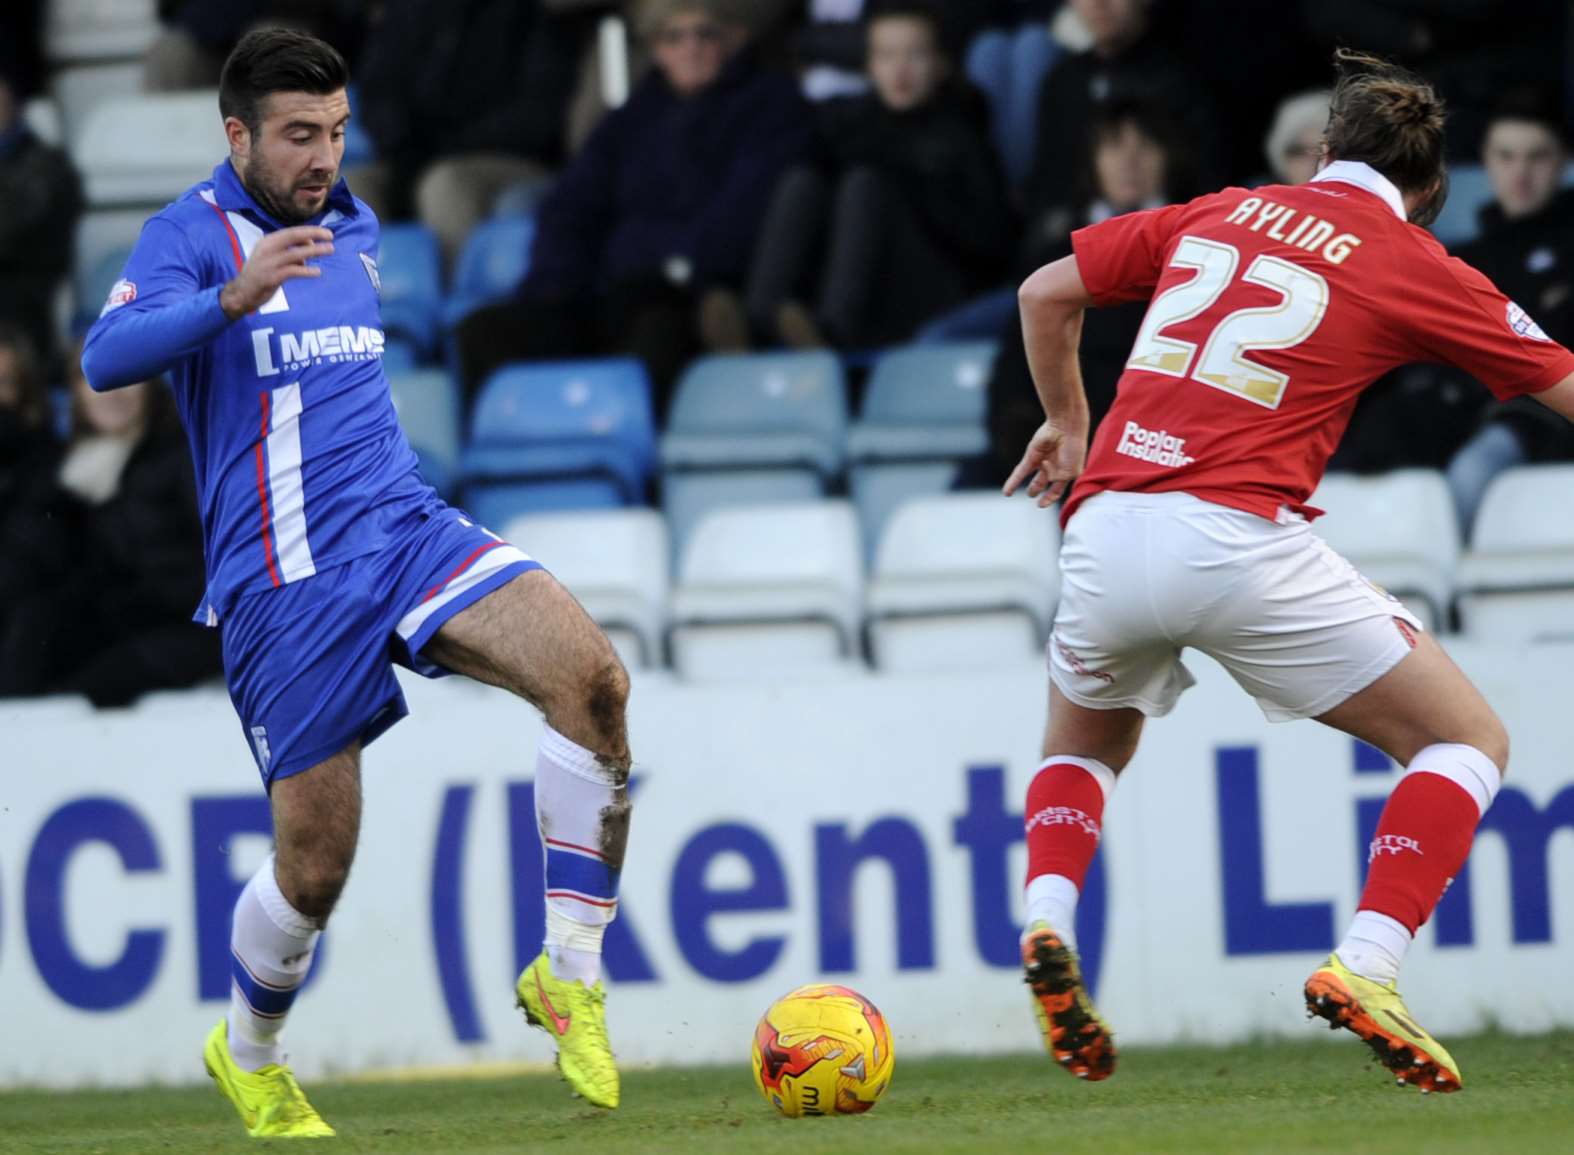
(866, 830)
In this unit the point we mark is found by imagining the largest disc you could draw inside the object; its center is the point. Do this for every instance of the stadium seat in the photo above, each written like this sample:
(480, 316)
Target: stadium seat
(579, 430)
(769, 589)
(43, 120)
(99, 29)
(358, 146)
(101, 238)
(1517, 580)
(410, 266)
(688, 496)
(149, 148)
(495, 259)
(91, 286)
(759, 410)
(615, 562)
(78, 91)
(498, 503)
(399, 355)
(1400, 530)
(963, 581)
(1468, 191)
(879, 490)
(925, 402)
(427, 402)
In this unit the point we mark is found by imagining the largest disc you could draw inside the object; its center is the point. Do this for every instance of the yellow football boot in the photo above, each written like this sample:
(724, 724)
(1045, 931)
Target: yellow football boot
(270, 1101)
(1379, 1016)
(575, 1015)
(1073, 1032)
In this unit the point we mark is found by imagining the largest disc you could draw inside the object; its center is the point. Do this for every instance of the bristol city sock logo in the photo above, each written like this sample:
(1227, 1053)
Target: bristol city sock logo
(1392, 844)
(1064, 816)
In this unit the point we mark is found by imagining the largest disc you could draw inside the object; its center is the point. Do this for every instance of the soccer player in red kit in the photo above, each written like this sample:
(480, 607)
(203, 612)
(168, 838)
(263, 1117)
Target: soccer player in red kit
(1272, 308)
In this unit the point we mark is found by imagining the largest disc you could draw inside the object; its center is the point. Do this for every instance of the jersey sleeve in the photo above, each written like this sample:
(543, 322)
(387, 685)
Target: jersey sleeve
(1461, 318)
(1122, 259)
(157, 313)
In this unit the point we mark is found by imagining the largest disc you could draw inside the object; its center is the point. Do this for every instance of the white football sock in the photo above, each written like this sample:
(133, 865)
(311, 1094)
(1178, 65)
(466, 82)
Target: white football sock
(1052, 898)
(582, 811)
(271, 948)
(1374, 946)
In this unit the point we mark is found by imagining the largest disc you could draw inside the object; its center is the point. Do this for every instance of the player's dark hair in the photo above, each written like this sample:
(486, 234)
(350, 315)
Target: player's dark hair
(269, 60)
(1391, 119)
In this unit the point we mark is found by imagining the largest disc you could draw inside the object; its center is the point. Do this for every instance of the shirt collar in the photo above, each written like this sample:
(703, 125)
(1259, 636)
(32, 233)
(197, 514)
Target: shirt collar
(232, 196)
(1363, 175)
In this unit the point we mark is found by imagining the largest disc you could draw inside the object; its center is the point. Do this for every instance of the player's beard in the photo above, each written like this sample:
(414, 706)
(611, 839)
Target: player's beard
(277, 197)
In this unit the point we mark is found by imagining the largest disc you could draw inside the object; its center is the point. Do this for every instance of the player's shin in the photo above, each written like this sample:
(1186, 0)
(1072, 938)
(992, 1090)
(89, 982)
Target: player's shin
(1422, 840)
(1064, 817)
(582, 810)
(271, 949)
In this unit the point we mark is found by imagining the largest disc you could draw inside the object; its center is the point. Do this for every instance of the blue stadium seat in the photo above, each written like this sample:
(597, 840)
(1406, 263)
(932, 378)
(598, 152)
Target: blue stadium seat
(880, 489)
(688, 495)
(1468, 191)
(580, 430)
(925, 402)
(427, 401)
(399, 355)
(358, 146)
(93, 285)
(497, 505)
(494, 261)
(757, 411)
(410, 269)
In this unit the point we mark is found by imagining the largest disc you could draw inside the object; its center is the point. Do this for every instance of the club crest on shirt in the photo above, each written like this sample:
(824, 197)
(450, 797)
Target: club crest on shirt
(1523, 324)
(371, 271)
(122, 292)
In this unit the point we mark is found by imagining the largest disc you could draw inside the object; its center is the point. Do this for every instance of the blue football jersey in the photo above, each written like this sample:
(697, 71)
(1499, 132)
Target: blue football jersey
(300, 461)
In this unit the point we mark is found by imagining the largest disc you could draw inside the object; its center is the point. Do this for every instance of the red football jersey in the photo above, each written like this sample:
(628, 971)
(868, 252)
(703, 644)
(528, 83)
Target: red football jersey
(1272, 309)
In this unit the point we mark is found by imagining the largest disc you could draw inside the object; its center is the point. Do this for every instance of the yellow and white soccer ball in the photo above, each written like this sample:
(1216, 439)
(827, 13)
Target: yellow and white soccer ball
(822, 1050)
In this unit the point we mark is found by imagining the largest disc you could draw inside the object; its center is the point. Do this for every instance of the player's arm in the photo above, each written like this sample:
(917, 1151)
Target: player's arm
(1052, 301)
(1560, 397)
(170, 315)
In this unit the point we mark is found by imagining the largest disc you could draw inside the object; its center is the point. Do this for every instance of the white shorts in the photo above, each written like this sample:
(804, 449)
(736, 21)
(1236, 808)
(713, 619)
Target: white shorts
(1144, 575)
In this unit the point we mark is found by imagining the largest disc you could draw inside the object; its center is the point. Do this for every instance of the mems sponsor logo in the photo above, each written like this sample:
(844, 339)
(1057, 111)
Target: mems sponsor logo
(335, 344)
(1155, 446)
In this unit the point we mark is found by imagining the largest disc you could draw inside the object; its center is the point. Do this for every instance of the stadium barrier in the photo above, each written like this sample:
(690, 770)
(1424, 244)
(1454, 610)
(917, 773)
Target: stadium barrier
(865, 830)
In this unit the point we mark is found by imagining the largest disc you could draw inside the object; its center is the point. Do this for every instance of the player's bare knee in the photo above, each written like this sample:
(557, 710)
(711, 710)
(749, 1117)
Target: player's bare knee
(1492, 741)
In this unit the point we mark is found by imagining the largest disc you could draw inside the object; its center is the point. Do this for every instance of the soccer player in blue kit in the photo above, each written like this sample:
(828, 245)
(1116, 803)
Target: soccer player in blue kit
(328, 559)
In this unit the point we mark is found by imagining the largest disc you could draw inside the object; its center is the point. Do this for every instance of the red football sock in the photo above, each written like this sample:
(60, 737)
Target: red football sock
(1065, 812)
(1425, 832)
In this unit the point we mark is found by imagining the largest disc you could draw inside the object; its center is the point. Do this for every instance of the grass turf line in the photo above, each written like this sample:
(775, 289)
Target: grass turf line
(1286, 1098)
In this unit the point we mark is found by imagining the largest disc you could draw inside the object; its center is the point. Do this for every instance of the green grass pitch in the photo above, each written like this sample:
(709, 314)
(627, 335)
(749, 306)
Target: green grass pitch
(1283, 1098)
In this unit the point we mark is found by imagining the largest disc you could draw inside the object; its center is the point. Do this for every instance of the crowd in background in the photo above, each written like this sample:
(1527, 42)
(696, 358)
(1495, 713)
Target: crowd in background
(797, 173)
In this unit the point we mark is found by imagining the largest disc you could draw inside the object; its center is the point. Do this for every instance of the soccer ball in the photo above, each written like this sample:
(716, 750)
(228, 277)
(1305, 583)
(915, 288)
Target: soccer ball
(822, 1050)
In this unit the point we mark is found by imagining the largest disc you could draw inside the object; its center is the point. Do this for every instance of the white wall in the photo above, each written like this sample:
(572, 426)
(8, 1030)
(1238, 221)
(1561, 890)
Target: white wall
(780, 770)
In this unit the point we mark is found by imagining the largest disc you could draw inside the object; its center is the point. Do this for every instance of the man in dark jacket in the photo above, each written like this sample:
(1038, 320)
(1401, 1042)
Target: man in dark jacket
(40, 200)
(661, 206)
(1126, 65)
(462, 99)
(904, 215)
(1526, 247)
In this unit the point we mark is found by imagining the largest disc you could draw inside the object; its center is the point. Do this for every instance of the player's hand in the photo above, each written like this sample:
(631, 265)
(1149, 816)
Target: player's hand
(280, 256)
(1051, 462)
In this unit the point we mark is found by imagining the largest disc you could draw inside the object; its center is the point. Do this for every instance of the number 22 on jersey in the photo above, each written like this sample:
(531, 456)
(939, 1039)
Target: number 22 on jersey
(1223, 363)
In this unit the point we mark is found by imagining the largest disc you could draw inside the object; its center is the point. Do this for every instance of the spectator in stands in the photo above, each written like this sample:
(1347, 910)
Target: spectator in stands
(27, 451)
(101, 564)
(40, 200)
(464, 99)
(1526, 247)
(1126, 63)
(906, 212)
(197, 35)
(1294, 147)
(1135, 161)
(661, 208)
(830, 47)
